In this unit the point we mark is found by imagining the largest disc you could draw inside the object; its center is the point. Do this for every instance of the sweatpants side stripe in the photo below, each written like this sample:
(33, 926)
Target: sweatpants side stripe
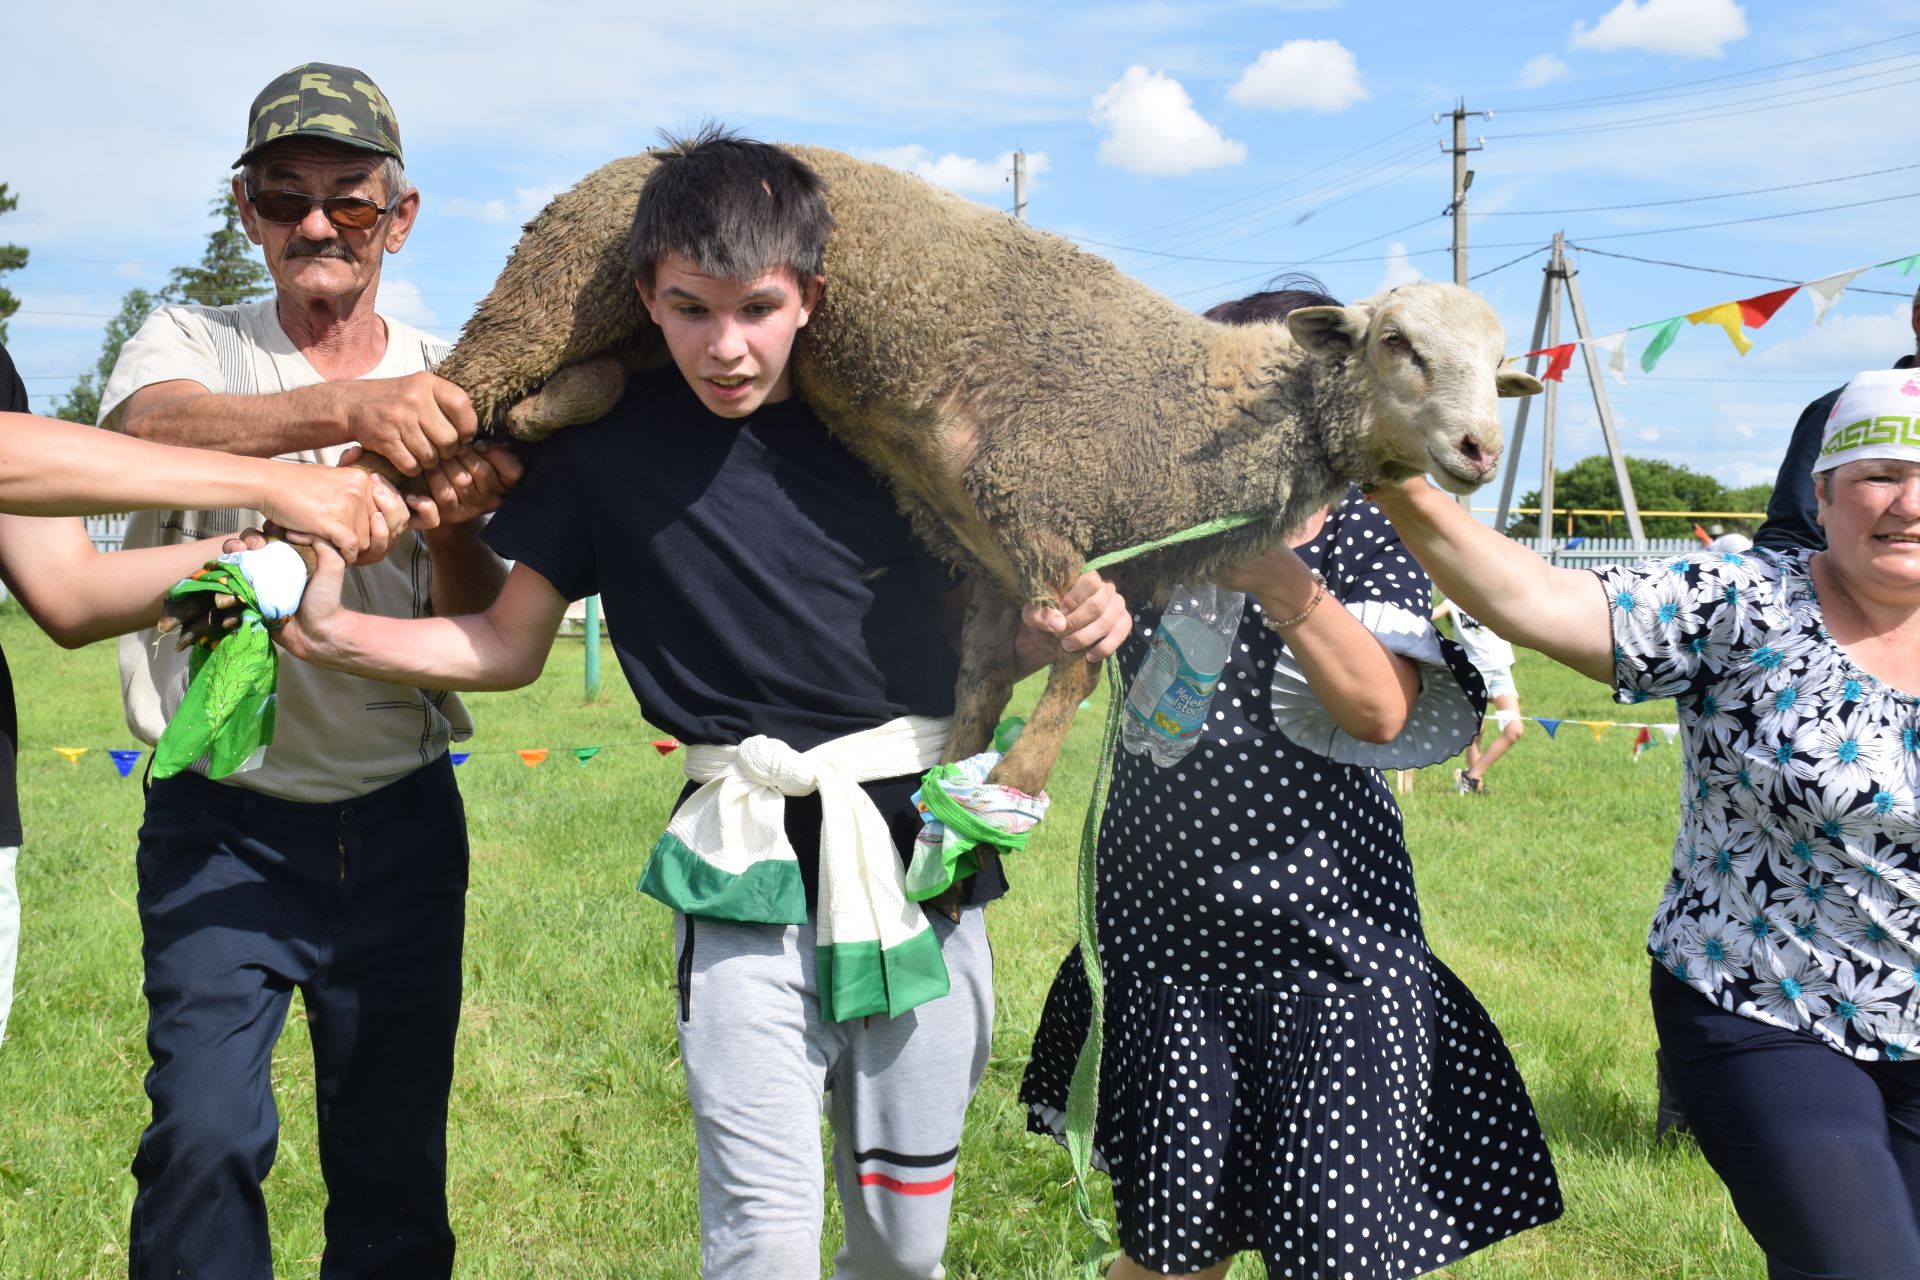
(889, 1183)
(911, 1162)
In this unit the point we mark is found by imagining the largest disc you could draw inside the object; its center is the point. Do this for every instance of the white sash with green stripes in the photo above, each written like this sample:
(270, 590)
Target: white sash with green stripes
(725, 856)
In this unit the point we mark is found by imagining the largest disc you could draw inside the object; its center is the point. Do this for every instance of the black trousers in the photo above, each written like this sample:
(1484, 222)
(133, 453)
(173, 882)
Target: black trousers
(1820, 1151)
(362, 906)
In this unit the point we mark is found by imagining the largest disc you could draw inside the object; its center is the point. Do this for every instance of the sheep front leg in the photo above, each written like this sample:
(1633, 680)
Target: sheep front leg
(985, 685)
(1027, 764)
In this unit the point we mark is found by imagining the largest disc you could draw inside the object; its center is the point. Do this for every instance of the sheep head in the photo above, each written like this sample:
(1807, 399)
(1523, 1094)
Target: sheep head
(1426, 363)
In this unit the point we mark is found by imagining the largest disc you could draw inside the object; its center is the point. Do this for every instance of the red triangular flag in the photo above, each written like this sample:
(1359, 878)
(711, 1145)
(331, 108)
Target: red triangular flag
(1558, 360)
(532, 756)
(665, 745)
(1756, 311)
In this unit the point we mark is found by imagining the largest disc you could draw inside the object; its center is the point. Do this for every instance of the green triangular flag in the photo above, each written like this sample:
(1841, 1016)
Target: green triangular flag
(584, 754)
(1662, 339)
(1905, 265)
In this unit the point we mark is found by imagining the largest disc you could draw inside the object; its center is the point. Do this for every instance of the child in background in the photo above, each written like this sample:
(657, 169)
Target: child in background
(1494, 658)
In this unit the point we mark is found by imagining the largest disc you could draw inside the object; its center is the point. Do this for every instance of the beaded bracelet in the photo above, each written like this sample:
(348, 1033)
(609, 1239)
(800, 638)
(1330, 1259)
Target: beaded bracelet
(1319, 589)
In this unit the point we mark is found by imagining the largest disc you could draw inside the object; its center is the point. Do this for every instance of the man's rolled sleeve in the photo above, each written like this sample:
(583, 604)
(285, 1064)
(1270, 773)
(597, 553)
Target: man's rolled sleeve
(174, 344)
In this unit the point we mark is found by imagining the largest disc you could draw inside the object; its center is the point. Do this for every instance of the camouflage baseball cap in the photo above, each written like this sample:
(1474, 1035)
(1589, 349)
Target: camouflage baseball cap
(321, 100)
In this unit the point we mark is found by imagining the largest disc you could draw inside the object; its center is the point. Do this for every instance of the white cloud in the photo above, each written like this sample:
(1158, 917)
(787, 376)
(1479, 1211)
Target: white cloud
(1311, 75)
(960, 173)
(488, 211)
(1399, 269)
(401, 299)
(1542, 70)
(1851, 339)
(1153, 129)
(1684, 28)
(527, 201)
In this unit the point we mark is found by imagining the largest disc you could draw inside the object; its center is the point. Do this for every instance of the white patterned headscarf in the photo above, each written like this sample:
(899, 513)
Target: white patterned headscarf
(1876, 416)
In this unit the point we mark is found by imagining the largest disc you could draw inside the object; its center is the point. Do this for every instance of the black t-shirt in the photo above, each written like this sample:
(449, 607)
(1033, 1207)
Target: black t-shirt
(13, 399)
(757, 578)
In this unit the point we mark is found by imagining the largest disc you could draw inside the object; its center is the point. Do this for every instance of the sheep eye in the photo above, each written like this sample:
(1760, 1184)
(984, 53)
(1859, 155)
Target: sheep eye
(1392, 338)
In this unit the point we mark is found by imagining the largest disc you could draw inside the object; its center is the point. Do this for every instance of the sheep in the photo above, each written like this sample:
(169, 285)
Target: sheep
(1030, 405)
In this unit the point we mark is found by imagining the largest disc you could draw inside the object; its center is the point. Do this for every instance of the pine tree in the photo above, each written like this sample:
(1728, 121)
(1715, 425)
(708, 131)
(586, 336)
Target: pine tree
(83, 398)
(229, 271)
(12, 258)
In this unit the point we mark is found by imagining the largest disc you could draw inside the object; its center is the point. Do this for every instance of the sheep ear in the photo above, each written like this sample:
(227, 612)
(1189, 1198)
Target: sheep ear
(1328, 331)
(1517, 382)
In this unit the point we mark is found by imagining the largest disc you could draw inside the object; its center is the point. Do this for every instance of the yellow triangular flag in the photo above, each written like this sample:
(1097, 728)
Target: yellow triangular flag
(1597, 728)
(73, 754)
(1727, 316)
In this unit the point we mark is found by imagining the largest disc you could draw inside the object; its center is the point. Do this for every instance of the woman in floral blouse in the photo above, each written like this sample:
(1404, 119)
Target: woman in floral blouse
(1786, 950)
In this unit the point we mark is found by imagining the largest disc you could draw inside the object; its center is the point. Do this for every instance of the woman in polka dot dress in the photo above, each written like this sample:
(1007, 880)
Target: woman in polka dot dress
(1288, 1069)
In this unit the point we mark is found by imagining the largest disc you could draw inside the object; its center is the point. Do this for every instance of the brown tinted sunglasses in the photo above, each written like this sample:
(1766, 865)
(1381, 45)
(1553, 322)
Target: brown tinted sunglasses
(349, 213)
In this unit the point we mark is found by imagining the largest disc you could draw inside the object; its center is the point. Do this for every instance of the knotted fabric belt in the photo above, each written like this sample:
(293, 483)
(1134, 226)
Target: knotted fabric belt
(725, 856)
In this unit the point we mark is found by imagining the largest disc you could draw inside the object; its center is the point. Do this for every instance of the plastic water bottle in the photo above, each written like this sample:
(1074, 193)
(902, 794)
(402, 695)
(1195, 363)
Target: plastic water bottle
(1167, 705)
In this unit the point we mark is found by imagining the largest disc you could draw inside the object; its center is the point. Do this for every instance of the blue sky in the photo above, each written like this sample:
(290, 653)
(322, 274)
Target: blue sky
(1219, 142)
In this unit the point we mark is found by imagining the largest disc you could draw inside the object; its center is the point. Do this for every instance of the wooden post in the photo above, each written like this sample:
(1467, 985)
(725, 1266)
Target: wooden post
(1520, 414)
(1604, 409)
(1556, 271)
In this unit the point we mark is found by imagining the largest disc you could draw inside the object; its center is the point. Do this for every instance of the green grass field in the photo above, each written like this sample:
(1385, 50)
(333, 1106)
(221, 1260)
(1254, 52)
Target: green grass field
(571, 1147)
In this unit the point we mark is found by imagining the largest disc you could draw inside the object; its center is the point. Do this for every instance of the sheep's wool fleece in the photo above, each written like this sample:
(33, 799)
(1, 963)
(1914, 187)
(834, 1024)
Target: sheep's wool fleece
(725, 856)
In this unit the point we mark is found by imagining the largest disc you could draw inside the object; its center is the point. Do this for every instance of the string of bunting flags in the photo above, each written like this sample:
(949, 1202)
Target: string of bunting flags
(126, 758)
(1642, 740)
(1733, 318)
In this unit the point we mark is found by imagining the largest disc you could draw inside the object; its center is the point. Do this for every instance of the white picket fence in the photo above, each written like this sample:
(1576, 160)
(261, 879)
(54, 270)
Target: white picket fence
(109, 533)
(1595, 552)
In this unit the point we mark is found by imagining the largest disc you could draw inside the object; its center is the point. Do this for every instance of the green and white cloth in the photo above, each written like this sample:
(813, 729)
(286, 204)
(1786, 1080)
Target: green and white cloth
(227, 715)
(960, 811)
(725, 856)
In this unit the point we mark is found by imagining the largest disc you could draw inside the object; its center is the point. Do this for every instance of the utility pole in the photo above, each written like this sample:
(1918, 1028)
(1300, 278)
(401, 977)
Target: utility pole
(1561, 278)
(1019, 186)
(1462, 179)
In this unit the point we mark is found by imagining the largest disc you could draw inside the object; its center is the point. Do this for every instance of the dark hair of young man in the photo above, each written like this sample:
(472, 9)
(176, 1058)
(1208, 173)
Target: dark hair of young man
(734, 208)
(1289, 293)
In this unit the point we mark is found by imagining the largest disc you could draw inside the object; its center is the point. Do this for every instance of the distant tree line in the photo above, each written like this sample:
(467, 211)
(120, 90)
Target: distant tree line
(228, 271)
(1657, 486)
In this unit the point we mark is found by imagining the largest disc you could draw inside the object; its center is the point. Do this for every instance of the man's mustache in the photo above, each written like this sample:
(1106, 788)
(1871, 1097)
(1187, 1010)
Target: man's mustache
(301, 247)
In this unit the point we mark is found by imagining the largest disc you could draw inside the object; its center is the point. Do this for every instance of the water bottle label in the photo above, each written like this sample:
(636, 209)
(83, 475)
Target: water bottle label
(1169, 696)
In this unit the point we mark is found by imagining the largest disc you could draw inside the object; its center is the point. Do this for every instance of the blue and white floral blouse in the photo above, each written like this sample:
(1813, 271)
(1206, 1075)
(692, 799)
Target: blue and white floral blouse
(1795, 894)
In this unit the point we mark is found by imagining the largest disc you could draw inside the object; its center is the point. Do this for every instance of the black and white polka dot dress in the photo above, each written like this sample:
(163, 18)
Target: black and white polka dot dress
(1288, 1069)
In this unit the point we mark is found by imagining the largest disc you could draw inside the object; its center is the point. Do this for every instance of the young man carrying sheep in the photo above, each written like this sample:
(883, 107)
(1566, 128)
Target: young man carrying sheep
(770, 605)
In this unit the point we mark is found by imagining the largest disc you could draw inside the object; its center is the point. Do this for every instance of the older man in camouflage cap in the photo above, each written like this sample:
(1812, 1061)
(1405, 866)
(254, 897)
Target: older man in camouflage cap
(338, 865)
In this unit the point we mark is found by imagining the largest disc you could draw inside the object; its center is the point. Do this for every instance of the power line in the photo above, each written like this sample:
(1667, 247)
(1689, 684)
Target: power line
(1744, 275)
(1324, 260)
(1503, 266)
(1725, 195)
(1764, 217)
(1241, 226)
(1637, 122)
(1388, 181)
(1572, 103)
(1254, 195)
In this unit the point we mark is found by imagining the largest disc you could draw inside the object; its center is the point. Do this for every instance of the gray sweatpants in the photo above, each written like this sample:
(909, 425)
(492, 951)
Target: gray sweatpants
(760, 1062)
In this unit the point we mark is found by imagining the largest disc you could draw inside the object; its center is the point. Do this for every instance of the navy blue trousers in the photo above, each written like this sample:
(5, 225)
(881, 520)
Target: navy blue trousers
(1820, 1151)
(362, 906)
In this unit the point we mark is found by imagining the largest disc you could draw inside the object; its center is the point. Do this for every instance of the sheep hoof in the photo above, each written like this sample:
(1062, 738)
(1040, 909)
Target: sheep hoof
(576, 394)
